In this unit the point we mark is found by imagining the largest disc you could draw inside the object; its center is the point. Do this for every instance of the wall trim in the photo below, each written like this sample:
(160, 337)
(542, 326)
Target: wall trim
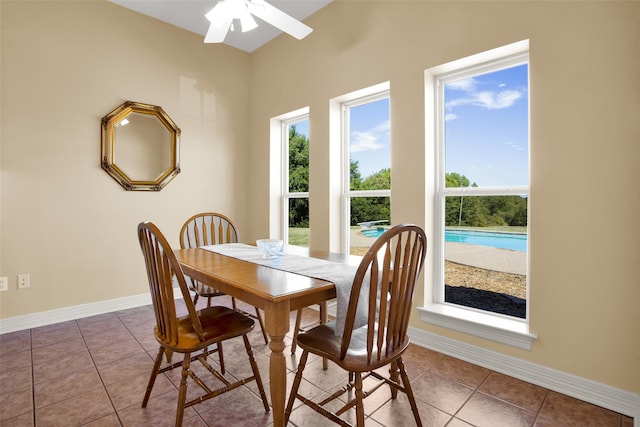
(608, 397)
(603, 395)
(44, 318)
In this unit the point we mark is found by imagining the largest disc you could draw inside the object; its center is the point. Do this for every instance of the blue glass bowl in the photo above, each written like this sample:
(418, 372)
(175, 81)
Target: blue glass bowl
(269, 247)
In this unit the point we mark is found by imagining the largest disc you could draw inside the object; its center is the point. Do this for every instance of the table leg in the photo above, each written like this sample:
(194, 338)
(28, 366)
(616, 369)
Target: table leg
(277, 325)
(324, 318)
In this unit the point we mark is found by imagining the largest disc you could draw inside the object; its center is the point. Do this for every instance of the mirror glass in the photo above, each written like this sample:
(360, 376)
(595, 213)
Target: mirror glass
(140, 146)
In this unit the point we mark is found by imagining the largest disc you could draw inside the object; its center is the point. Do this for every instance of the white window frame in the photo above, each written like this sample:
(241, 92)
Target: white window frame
(279, 172)
(492, 326)
(347, 193)
(286, 194)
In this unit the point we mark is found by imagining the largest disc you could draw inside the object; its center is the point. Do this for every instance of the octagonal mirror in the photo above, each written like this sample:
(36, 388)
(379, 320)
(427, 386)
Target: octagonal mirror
(140, 146)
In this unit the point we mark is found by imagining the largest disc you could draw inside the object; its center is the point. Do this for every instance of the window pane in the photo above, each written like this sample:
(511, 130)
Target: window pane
(487, 128)
(486, 253)
(299, 222)
(299, 156)
(369, 219)
(369, 147)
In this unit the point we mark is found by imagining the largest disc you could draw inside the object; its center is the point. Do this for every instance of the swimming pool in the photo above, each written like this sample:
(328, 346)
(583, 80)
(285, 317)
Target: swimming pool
(515, 242)
(512, 241)
(373, 232)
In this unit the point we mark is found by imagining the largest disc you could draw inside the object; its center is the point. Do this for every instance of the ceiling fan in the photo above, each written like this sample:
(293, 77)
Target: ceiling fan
(224, 13)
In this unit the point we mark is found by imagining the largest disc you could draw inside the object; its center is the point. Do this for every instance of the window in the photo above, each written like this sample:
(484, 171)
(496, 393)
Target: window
(366, 170)
(480, 194)
(295, 142)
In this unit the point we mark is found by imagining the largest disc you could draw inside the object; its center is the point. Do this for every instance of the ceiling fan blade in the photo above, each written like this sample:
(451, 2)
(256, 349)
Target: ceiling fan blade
(278, 19)
(221, 20)
(216, 34)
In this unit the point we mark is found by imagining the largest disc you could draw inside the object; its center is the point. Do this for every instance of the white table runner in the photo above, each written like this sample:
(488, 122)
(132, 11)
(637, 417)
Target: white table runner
(339, 273)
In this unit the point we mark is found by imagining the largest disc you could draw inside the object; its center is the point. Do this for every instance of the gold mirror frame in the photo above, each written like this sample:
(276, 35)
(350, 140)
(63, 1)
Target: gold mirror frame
(136, 152)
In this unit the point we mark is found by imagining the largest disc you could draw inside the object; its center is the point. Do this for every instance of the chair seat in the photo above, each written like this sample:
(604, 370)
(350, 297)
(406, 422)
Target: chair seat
(218, 324)
(322, 340)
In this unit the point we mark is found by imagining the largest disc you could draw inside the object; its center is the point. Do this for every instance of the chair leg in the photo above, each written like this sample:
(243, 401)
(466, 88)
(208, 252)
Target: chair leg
(261, 322)
(296, 330)
(256, 373)
(395, 377)
(152, 378)
(182, 392)
(295, 386)
(221, 357)
(359, 399)
(409, 391)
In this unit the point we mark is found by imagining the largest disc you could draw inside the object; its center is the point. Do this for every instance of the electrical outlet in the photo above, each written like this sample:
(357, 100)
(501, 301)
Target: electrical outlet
(4, 283)
(23, 281)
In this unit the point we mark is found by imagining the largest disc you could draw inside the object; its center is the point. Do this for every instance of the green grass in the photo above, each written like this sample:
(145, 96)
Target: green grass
(299, 236)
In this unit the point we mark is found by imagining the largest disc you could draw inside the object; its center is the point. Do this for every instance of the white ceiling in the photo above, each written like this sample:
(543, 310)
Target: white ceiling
(189, 15)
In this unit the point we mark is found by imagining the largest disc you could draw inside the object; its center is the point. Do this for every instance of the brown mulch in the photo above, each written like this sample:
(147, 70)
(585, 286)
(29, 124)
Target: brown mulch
(488, 290)
(486, 280)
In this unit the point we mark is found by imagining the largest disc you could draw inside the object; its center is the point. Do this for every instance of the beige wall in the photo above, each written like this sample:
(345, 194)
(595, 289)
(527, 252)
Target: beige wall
(68, 224)
(585, 155)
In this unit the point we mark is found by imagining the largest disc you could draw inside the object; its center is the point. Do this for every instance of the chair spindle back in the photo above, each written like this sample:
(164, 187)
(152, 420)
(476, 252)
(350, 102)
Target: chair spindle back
(207, 228)
(162, 266)
(386, 278)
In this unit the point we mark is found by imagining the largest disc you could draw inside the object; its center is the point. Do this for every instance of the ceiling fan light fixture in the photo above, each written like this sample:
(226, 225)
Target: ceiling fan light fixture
(226, 11)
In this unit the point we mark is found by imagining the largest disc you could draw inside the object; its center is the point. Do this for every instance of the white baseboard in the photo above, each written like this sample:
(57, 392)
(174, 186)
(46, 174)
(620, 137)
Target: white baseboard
(50, 317)
(603, 395)
(608, 397)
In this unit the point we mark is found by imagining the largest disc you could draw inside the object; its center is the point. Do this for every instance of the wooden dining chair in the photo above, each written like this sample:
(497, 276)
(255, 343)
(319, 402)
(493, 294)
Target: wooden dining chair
(375, 329)
(194, 334)
(211, 228)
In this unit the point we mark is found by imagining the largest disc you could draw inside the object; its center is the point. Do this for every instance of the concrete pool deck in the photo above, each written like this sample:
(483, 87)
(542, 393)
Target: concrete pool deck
(486, 257)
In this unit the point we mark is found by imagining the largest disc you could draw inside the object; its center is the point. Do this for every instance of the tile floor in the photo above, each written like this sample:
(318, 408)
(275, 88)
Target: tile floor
(94, 371)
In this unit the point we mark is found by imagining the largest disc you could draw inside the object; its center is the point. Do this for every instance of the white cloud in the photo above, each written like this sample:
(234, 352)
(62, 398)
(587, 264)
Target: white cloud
(488, 99)
(370, 139)
(467, 85)
(450, 116)
(514, 146)
(497, 100)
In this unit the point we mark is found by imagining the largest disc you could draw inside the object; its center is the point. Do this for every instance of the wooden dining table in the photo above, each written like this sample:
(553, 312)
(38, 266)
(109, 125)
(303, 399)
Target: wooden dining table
(276, 292)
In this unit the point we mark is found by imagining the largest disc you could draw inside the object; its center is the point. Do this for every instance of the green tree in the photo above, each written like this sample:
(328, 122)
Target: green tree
(298, 161)
(459, 211)
(482, 211)
(362, 208)
(355, 178)
(298, 177)
(380, 180)
(370, 208)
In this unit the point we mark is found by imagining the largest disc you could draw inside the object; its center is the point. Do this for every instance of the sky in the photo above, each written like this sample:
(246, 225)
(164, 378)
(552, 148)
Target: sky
(370, 135)
(486, 127)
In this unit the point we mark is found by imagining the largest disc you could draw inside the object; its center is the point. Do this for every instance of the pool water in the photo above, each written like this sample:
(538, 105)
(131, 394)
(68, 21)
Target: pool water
(373, 232)
(512, 241)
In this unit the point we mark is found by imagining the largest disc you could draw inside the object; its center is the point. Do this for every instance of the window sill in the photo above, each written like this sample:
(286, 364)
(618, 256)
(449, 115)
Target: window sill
(501, 329)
